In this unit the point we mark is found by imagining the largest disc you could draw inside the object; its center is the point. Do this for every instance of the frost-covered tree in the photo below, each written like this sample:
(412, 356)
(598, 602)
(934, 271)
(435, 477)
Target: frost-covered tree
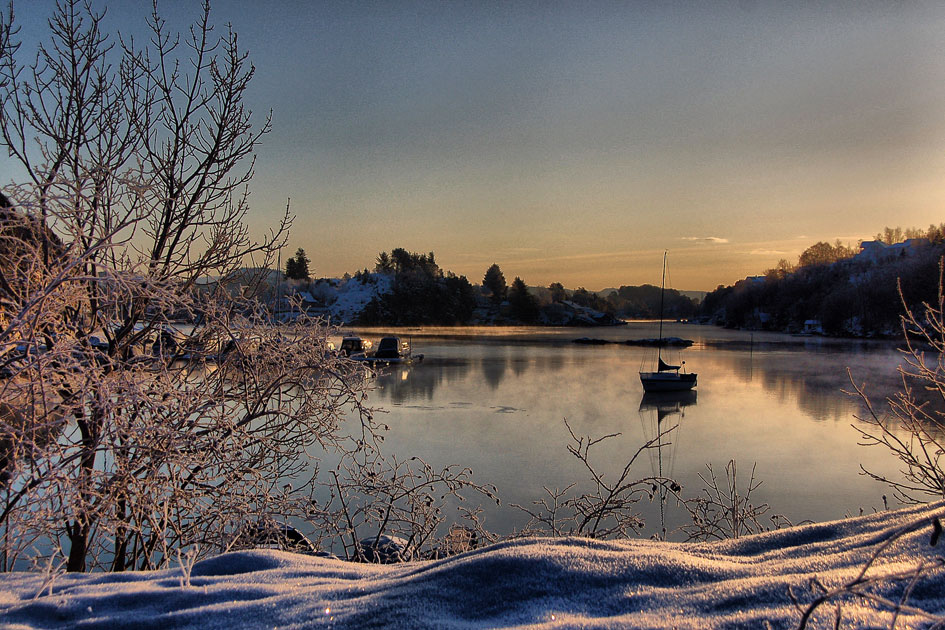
(125, 436)
(913, 427)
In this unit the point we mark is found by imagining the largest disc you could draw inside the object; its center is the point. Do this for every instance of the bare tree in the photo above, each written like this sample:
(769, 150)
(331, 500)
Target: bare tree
(914, 428)
(722, 511)
(126, 436)
(608, 510)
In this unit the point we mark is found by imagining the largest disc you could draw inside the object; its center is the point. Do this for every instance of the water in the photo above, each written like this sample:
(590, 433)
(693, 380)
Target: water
(496, 400)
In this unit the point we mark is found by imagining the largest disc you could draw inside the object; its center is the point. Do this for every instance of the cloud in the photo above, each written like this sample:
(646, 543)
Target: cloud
(705, 239)
(766, 252)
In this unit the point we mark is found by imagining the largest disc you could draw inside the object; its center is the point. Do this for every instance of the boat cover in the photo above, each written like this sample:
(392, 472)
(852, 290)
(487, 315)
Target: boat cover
(664, 366)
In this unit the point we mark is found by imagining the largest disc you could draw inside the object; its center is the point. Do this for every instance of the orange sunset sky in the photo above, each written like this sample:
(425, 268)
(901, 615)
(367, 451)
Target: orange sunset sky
(574, 142)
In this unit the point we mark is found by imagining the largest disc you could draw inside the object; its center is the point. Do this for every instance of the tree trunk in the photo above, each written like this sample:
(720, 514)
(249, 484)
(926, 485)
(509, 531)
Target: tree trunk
(79, 544)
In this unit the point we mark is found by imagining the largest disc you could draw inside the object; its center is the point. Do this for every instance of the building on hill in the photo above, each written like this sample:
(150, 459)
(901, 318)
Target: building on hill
(878, 251)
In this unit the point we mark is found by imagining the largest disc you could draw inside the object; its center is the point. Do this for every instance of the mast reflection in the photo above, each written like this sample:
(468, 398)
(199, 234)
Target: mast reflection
(658, 411)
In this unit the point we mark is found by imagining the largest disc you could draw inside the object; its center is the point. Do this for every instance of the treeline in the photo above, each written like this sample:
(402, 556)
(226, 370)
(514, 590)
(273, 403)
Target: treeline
(643, 302)
(835, 291)
(421, 293)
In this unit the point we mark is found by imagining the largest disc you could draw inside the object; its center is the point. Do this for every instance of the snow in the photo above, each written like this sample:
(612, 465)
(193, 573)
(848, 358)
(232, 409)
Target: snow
(534, 583)
(353, 295)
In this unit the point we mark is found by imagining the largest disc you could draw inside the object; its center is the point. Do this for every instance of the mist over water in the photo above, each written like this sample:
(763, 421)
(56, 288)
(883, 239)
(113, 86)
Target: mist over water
(495, 400)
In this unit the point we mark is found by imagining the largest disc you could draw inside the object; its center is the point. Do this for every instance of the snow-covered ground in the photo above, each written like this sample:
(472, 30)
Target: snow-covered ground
(533, 583)
(351, 296)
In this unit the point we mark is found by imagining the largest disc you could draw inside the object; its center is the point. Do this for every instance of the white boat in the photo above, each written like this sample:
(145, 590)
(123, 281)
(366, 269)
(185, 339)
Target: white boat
(666, 378)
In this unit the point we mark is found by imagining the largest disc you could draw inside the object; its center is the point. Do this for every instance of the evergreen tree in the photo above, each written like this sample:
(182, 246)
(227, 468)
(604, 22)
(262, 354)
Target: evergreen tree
(523, 303)
(402, 259)
(494, 280)
(296, 268)
(383, 264)
(558, 293)
(420, 292)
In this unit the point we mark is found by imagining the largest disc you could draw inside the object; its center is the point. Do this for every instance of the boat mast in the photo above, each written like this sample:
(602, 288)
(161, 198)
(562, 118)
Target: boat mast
(659, 342)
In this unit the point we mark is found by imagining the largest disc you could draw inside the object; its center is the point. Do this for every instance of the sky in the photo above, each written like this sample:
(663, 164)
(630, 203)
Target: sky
(575, 142)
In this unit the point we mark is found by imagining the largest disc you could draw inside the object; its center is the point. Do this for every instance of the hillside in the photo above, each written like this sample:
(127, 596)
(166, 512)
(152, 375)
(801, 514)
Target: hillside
(855, 296)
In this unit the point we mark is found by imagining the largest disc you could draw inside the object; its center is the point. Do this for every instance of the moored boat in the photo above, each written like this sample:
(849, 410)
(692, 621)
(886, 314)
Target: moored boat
(354, 346)
(666, 377)
(391, 351)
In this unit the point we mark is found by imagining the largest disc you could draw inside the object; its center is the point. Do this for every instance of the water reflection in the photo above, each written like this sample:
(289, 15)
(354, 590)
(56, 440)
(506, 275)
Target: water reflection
(661, 415)
(496, 404)
(667, 404)
(493, 369)
(813, 380)
(519, 365)
(406, 383)
(550, 363)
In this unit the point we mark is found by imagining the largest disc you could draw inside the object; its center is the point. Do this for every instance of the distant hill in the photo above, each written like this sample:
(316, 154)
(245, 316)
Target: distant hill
(696, 296)
(859, 296)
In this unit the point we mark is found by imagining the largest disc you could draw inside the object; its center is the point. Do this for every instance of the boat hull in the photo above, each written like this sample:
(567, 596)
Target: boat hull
(667, 382)
(408, 360)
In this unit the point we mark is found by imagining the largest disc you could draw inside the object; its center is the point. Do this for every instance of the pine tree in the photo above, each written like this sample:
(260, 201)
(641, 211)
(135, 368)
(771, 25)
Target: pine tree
(383, 264)
(523, 303)
(494, 280)
(296, 268)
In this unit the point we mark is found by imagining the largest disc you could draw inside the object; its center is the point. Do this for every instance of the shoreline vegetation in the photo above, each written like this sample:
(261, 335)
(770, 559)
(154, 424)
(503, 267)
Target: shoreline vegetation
(833, 291)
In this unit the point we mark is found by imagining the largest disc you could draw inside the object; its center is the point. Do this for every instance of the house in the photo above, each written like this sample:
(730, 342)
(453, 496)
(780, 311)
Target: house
(813, 327)
(878, 251)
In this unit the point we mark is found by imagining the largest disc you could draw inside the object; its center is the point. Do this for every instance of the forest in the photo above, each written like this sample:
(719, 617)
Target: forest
(423, 293)
(840, 291)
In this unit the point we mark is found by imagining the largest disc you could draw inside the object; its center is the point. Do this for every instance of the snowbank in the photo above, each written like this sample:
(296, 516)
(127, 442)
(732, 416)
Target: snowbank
(535, 583)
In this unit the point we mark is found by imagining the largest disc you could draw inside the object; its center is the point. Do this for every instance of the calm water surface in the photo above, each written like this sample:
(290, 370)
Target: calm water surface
(495, 400)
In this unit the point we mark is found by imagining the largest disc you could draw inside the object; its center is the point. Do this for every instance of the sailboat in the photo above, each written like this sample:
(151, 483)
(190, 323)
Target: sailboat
(666, 378)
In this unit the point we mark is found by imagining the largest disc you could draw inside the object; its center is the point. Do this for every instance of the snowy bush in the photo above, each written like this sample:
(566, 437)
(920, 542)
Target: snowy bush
(126, 437)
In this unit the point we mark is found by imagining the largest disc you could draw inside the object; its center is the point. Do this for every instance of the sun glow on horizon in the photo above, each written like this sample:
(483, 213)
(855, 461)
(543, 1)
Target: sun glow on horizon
(574, 144)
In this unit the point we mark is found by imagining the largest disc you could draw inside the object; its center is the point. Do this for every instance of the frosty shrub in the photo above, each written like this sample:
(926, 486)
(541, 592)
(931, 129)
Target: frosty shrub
(913, 429)
(125, 435)
(373, 497)
(723, 511)
(608, 509)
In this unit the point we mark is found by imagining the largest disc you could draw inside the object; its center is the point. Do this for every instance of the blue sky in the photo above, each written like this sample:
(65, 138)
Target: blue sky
(573, 142)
